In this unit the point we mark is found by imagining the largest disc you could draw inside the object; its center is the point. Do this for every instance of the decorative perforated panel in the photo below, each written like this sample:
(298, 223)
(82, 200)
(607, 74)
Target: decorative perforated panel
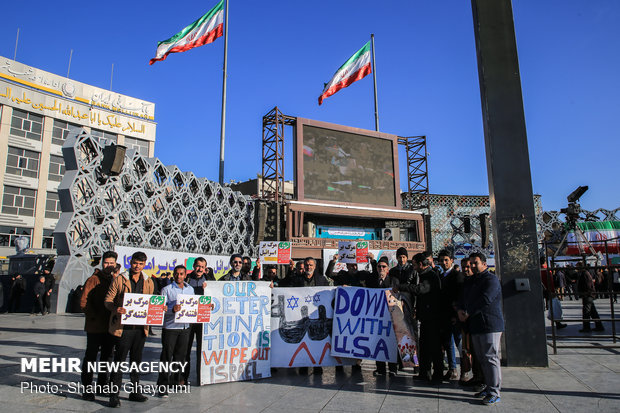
(147, 205)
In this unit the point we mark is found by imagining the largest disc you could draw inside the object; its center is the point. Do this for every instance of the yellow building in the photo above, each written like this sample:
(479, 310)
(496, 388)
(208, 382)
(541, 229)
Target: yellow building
(38, 110)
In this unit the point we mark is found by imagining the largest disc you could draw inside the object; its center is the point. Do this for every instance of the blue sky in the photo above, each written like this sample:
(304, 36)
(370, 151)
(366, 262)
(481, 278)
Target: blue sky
(281, 52)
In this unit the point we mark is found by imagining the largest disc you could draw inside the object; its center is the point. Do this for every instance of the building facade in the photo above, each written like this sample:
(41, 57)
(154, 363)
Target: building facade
(38, 111)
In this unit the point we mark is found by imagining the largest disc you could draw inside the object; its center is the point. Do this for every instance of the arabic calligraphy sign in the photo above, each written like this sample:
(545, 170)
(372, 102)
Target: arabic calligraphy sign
(236, 342)
(301, 327)
(143, 309)
(363, 325)
(160, 261)
(75, 112)
(274, 252)
(353, 252)
(194, 309)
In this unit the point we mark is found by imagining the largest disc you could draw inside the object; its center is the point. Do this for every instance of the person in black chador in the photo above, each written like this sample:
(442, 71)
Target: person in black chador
(18, 288)
(39, 296)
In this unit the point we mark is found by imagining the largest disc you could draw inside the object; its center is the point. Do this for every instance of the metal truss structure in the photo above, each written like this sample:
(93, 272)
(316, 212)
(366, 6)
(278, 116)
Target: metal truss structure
(417, 172)
(447, 229)
(147, 205)
(272, 187)
(552, 222)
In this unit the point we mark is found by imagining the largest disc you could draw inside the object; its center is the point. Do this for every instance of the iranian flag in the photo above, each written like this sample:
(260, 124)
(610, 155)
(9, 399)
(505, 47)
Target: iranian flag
(203, 31)
(352, 70)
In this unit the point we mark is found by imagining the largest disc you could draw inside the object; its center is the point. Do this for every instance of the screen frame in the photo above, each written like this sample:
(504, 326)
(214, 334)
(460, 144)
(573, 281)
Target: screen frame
(299, 160)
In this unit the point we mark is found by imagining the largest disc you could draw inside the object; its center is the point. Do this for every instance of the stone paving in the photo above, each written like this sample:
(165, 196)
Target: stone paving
(577, 380)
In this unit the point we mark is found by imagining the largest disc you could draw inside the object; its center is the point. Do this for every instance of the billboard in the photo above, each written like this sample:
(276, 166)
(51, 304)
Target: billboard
(339, 164)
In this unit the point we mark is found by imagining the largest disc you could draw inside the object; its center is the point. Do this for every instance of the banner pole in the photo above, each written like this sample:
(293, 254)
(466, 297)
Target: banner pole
(374, 78)
(223, 130)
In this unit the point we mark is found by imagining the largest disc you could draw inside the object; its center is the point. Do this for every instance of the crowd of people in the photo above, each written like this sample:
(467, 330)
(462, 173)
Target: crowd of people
(452, 306)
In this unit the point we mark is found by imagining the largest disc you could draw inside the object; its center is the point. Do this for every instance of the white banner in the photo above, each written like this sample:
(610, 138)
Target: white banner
(328, 254)
(160, 261)
(363, 325)
(194, 309)
(143, 309)
(301, 327)
(236, 342)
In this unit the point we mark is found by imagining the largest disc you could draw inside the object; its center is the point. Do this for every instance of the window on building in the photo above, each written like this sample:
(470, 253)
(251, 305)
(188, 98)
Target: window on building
(103, 135)
(139, 145)
(57, 168)
(48, 239)
(52, 206)
(26, 125)
(61, 130)
(18, 201)
(22, 162)
(9, 234)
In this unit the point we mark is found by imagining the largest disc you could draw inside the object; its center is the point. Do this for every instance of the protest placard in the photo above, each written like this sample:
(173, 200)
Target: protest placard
(194, 309)
(301, 327)
(406, 335)
(274, 252)
(362, 325)
(353, 252)
(143, 309)
(236, 342)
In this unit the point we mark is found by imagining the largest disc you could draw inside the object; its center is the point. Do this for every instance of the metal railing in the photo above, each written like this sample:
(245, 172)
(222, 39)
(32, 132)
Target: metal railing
(605, 291)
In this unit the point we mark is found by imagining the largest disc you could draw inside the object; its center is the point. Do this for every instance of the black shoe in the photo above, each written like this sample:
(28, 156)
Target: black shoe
(560, 326)
(114, 401)
(599, 328)
(378, 373)
(392, 373)
(303, 370)
(89, 397)
(317, 370)
(138, 397)
(479, 387)
(356, 367)
(339, 369)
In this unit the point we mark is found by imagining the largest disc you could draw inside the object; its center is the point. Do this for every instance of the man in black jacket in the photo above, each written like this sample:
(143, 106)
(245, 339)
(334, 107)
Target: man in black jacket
(18, 288)
(452, 287)
(236, 273)
(351, 276)
(380, 278)
(428, 311)
(39, 296)
(309, 277)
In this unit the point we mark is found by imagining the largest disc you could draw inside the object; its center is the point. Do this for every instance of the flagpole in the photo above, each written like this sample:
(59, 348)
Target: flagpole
(222, 134)
(374, 78)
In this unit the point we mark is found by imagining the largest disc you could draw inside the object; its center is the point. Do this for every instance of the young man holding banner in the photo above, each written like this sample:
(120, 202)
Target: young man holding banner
(129, 338)
(174, 336)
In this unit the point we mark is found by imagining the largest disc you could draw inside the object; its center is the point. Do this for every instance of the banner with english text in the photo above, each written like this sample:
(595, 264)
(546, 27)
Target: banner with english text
(301, 327)
(363, 325)
(236, 342)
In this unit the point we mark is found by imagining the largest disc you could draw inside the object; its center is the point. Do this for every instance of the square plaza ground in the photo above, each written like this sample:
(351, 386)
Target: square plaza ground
(577, 380)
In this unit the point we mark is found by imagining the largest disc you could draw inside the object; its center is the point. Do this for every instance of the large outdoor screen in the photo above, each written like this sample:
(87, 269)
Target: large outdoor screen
(347, 167)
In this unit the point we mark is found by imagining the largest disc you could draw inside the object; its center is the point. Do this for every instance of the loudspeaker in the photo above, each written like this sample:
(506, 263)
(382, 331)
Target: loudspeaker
(113, 159)
(466, 225)
(484, 229)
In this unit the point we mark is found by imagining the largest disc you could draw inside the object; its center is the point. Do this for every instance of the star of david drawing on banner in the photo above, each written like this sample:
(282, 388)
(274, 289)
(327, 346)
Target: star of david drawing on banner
(292, 302)
(316, 298)
(308, 298)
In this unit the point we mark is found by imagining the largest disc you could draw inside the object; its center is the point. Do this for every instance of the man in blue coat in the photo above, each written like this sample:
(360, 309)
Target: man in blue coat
(481, 309)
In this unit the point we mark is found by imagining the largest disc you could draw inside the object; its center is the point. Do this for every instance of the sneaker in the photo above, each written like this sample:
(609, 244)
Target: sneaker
(484, 393)
(449, 374)
(491, 400)
(163, 394)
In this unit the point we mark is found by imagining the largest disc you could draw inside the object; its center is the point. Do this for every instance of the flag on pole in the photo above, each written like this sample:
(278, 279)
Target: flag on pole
(352, 70)
(203, 31)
